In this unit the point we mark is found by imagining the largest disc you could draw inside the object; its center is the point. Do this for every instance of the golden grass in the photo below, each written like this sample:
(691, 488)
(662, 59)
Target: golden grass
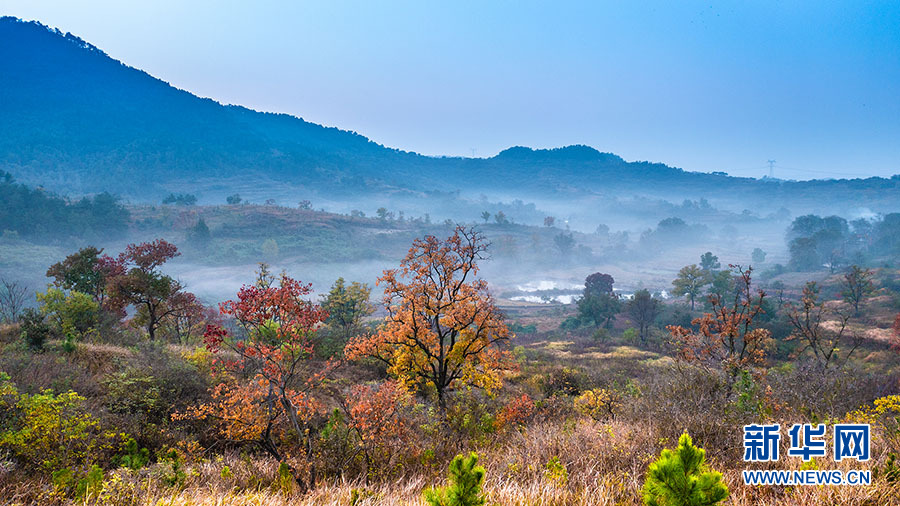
(605, 463)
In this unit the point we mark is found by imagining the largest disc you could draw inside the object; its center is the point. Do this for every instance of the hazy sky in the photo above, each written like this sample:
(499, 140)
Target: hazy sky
(699, 85)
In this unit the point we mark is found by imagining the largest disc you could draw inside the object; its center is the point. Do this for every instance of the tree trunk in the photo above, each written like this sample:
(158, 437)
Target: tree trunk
(442, 402)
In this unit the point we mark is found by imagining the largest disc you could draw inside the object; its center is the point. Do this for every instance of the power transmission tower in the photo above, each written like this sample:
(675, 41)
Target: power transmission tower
(771, 168)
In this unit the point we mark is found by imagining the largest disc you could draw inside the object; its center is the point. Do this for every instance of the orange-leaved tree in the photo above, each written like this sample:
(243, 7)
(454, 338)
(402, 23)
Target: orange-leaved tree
(726, 338)
(270, 376)
(442, 329)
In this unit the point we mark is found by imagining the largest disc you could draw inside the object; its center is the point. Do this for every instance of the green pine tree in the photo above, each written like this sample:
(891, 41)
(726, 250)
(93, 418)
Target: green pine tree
(680, 478)
(466, 477)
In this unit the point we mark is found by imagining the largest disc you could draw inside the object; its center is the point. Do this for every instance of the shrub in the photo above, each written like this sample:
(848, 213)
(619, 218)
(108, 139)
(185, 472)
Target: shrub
(54, 432)
(471, 420)
(516, 412)
(85, 487)
(890, 471)
(563, 381)
(133, 391)
(466, 478)
(35, 330)
(174, 474)
(556, 471)
(681, 478)
(630, 335)
(74, 314)
(599, 403)
(285, 478)
(134, 457)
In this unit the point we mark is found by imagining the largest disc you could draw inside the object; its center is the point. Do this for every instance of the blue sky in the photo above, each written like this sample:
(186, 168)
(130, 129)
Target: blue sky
(699, 85)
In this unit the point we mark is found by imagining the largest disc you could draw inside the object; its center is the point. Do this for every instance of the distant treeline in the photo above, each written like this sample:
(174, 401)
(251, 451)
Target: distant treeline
(35, 213)
(832, 242)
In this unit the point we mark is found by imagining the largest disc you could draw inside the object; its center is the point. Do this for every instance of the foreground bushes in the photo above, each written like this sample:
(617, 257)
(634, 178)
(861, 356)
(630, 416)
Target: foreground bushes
(51, 432)
(605, 465)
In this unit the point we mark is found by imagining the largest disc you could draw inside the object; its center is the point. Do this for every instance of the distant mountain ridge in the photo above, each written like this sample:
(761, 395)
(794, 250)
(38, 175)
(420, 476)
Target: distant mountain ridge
(78, 121)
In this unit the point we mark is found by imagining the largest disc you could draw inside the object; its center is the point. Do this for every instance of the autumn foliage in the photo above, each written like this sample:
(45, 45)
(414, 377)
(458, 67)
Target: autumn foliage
(442, 329)
(267, 395)
(376, 414)
(515, 413)
(726, 338)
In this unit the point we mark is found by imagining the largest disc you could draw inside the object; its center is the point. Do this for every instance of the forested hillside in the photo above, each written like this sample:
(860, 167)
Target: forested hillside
(77, 121)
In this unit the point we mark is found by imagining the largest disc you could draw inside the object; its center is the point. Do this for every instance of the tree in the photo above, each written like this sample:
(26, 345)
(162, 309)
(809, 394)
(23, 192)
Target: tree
(35, 330)
(270, 248)
(642, 309)
(486, 216)
(601, 309)
(466, 478)
(815, 241)
(383, 214)
(305, 205)
(269, 393)
(12, 300)
(233, 200)
(690, 282)
(74, 314)
(347, 305)
(598, 283)
(598, 301)
(549, 221)
(442, 329)
(709, 262)
(831, 241)
(820, 329)
(187, 320)
(804, 254)
(726, 338)
(856, 285)
(565, 243)
(181, 199)
(682, 478)
(86, 271)
(723, 285)
(758, 256)
(199, 234)
(500, 218)
(155, 296)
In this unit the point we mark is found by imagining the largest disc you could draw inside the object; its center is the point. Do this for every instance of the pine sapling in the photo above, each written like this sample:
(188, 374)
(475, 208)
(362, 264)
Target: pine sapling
(466, 478)
(680, 477)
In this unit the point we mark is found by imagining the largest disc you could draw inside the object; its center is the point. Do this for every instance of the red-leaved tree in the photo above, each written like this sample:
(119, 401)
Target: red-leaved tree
(271, 376)
(138, 281)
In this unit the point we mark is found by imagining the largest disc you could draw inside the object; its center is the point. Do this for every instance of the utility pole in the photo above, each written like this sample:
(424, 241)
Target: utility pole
(771, 168)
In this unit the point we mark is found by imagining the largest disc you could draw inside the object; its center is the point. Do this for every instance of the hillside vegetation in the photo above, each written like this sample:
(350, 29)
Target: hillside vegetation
(122, 388)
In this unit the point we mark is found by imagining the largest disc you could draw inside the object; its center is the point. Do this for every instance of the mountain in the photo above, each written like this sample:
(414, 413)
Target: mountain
(77, 121)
